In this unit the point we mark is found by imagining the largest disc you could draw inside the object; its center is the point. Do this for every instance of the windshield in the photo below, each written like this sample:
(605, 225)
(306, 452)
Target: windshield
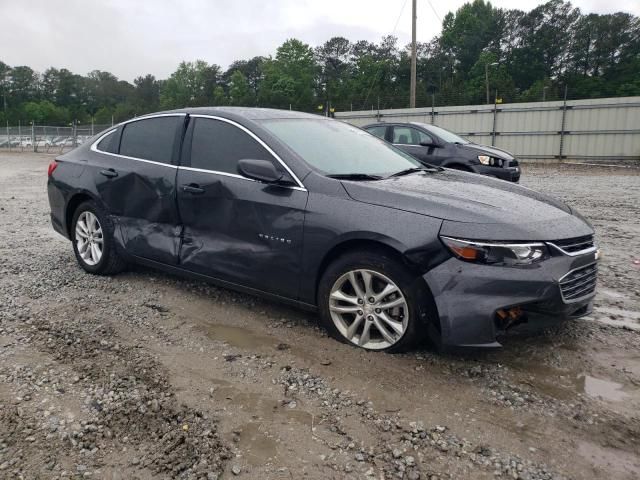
(337, 148)
(445, 135)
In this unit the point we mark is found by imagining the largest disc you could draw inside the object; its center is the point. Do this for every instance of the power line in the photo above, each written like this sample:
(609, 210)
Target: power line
(434, 11)
(373, 80)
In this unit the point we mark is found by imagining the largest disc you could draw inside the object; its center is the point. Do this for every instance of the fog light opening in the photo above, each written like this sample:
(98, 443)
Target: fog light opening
(510, 317)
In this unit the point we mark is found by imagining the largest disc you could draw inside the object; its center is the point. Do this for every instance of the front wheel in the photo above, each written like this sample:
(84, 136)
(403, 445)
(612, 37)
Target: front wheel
(370, 300)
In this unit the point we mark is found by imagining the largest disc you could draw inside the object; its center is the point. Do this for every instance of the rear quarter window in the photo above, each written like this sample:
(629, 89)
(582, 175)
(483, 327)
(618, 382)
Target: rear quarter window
(152, 139)
(109, 144)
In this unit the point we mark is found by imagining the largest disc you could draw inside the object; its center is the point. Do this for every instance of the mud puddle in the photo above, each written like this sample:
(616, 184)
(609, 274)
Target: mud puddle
(258, 439)
(601, 389)
(568, 383)
(611, 461)
(238, 337)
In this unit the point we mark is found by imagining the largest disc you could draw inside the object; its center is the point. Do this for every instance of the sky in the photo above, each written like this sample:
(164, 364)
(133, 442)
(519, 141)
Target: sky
(134, 37)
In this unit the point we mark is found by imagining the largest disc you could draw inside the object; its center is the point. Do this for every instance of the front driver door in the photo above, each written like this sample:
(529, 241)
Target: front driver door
(409, 139)
(237, 229)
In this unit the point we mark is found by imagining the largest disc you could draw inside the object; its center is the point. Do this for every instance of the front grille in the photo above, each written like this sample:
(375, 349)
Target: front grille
(579, 283)
(572, 245)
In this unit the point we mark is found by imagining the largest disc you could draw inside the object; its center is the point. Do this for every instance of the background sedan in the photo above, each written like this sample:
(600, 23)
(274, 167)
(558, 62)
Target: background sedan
(437, 146)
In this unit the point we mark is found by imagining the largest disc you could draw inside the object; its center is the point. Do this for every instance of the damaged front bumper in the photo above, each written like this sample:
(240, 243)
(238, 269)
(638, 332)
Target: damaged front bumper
(477, 303)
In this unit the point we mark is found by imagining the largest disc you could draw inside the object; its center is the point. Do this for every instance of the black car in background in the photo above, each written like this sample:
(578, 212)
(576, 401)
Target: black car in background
(437, 146)
(321, 214)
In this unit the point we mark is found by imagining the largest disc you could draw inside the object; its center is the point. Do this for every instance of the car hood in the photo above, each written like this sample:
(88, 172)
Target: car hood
(474, 206)
(486, 150)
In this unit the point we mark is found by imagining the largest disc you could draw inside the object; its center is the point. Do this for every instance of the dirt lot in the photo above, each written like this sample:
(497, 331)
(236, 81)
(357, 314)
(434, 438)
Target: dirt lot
(145, 375)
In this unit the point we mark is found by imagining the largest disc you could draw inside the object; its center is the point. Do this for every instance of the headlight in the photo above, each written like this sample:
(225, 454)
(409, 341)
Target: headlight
(497, 253)
(490, 161)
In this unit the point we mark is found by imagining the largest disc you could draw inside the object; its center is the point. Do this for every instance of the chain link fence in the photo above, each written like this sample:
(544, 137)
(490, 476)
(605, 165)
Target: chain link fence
(45, 138)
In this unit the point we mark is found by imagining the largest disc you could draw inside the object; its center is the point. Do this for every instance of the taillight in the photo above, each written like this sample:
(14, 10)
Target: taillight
(52, 166)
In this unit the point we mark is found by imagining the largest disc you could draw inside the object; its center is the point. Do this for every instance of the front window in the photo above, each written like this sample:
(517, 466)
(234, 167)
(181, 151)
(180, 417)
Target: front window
(218, 146)
(337, 148)
(444, 134)
(409, 136)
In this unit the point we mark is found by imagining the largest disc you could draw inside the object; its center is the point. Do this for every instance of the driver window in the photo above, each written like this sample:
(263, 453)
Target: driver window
(217, 146)
(409, 136)
(423, 137)
(402, 135)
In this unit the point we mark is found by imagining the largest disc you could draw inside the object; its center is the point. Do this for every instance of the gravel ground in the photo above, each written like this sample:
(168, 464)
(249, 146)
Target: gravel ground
(145, 375)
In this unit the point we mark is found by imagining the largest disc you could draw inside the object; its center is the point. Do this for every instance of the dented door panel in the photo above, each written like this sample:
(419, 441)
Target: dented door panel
(142, 201)
(242, 231)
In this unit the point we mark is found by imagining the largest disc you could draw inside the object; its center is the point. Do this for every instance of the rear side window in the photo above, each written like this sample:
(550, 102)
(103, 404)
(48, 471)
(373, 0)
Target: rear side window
(218, 146)
(378, 131)
(109, 144)
(151, 139)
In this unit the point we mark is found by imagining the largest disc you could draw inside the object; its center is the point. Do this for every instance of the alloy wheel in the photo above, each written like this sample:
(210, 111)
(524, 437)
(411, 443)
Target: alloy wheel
(368, 309)
(89, 238)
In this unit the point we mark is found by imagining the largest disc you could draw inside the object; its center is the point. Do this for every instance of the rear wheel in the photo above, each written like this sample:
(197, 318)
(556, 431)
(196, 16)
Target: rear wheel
(370, 300)
(93, 244)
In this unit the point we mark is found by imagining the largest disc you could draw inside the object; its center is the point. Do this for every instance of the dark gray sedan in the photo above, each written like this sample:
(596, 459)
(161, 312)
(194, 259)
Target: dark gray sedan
(435, 145)
(320, 214)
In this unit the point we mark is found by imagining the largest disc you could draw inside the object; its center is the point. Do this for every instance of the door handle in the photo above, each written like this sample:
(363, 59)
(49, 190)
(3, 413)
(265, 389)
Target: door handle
(109, 173)
(193, 188)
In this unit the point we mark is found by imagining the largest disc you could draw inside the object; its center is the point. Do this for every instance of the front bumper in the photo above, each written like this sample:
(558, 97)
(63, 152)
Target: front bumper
(510, 174)
(468, 297)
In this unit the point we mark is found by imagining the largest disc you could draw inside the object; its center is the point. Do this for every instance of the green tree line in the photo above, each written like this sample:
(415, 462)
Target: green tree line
(527, 56)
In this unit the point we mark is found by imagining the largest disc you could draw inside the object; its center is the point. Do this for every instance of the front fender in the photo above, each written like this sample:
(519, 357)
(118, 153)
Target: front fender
(331, 223)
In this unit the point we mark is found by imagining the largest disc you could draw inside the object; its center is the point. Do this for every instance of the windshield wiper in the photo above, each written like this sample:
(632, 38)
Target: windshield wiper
(416, 169)
(355, 176)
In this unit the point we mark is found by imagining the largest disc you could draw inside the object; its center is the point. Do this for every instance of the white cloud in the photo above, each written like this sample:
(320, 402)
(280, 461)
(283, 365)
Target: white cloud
(129, 38)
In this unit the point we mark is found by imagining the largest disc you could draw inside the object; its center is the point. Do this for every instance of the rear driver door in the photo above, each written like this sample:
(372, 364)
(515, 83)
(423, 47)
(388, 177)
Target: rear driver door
(135, 179)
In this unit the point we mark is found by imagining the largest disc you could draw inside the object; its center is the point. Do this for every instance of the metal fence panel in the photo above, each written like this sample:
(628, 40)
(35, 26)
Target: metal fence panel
(595, 129)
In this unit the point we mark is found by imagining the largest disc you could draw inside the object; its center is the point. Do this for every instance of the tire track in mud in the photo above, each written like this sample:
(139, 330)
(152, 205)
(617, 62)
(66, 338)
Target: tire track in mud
(128, 404)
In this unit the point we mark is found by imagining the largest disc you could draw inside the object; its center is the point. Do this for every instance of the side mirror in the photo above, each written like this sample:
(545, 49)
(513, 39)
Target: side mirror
(261, 170)
(429, 144)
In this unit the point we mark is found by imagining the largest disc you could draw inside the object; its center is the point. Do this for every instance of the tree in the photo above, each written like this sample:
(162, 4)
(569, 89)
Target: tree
(44, 111)
(24, 85)
(289, 78)
(253, 72)
(538, 52)
(147, 93)
(192, 84)
(545, 36)
(335, 68)
(375, 72)
(474, 28)
(499, 80)
(239, 90)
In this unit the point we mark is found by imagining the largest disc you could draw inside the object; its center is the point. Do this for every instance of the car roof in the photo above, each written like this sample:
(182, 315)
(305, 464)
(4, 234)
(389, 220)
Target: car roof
(392, 124)
(249, 113)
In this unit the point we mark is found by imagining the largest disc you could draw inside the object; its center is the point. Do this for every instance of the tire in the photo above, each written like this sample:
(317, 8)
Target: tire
(109, 261)
(408, 318)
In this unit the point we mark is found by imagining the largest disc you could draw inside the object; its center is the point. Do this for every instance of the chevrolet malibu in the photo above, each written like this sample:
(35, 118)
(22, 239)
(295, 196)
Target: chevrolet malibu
(323, 215)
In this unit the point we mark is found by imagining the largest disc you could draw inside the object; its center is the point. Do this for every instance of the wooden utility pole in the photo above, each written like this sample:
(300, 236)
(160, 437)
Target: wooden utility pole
(412, 94)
